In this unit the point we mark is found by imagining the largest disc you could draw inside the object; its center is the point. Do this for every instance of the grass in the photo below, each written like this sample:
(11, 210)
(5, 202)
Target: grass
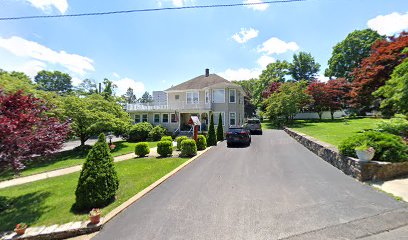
(49, 201)
(67, 159)
(334, 131)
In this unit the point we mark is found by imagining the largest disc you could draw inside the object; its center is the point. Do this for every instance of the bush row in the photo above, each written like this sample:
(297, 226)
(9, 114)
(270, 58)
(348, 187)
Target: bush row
(143, 131)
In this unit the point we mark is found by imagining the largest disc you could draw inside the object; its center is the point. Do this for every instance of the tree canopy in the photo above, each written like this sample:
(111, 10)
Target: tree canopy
(55, 81)
(91, 115)
(348, 54)
(146, 98)
(303, 67)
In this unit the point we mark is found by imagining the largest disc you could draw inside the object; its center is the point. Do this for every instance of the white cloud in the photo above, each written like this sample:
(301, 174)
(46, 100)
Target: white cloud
(116, 75)
(257, 7)
(47, 5)
(240, 74)
(276, 46)
(31, 68)
(125, 83)
(265, 61)
(389, 24)
(30, 50)
(176, 3)
(322, 78)
(245, 35)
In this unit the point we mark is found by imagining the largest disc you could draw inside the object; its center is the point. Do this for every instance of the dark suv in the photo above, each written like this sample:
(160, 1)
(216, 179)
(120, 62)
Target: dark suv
(238, 135)
(254, 125)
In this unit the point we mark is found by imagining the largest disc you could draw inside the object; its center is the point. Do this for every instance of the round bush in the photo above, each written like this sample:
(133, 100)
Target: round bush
(165, 148)
(388, 147)
(98, 181)
(179, 140)
(188, 148)
(142, 149)
(167, 138)
(397, 126)
(201, 142)
(140, 132)
(157, 133)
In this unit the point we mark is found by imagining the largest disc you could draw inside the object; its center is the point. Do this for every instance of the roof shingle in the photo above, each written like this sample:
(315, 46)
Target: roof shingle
(199, 82)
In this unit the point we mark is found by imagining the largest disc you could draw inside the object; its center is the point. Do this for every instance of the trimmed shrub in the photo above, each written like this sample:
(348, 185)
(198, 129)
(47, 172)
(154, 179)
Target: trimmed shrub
(201, 143)
(179, 140)
(140, 132)
(397, 126)
(188, 148)
(142, 149)
(211, 138)
(167, 138)
(98, 181)
(157, 133)
(165, 148)
(388, 147)
(220, 129)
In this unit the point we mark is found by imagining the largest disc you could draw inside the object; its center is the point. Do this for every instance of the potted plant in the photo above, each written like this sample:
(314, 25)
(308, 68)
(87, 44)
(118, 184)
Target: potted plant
(365, 153)
(20, 228)
(95, 215)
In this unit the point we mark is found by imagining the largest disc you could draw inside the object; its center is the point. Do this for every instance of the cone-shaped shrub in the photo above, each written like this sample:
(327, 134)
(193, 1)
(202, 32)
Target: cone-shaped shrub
(201, 143)
(211, 138)
(98, 181)
(188, 148)
(220, 129)
(179, 140)
(142, 149)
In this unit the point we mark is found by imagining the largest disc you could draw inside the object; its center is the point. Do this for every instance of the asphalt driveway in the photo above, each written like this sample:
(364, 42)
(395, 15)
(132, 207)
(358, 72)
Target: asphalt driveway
(273, 189)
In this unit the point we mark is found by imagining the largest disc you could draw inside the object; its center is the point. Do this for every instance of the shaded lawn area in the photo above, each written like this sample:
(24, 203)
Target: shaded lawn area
(49, 201)
(67, 159)
(334, 131)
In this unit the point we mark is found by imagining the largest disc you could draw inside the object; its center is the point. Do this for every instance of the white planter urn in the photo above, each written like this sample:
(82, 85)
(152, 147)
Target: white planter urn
(365, 155)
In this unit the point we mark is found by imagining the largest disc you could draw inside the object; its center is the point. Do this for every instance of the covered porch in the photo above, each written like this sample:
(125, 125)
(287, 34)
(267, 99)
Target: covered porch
(185, 117)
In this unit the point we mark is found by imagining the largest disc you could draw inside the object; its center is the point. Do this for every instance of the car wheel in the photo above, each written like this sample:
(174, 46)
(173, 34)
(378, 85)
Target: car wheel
(260, 133)
(228, 144)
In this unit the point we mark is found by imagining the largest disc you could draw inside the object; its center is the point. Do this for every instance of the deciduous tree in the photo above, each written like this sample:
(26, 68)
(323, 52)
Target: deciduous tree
(348, 54)
(55, 81)
(338, 91)
(26, 130)
(321, 100)
(303, 67)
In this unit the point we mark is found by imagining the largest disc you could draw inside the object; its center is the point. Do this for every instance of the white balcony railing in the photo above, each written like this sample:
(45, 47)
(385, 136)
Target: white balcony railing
(181, 105)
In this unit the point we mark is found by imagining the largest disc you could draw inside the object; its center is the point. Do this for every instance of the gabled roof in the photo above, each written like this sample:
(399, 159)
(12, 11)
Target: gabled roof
(199, 82)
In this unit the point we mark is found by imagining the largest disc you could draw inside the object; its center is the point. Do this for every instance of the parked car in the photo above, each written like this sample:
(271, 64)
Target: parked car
(254, 126)
(238, 135)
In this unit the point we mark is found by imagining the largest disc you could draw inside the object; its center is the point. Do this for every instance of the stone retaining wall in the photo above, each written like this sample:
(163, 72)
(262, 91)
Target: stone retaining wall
(363, 171)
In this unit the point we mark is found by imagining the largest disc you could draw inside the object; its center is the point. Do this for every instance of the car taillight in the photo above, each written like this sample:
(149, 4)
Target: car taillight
(243, 132)
(228, 133)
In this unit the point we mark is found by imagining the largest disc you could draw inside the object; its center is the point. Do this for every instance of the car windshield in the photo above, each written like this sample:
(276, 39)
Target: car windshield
(253, 121)
(235, 130)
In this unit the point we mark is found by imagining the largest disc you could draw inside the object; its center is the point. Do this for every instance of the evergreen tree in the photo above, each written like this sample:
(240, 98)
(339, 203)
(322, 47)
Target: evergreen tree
(220, 129)
(98, 181)
(211, 139)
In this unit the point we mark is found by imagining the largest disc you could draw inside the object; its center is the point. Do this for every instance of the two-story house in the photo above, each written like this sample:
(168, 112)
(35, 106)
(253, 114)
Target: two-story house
(201, 96)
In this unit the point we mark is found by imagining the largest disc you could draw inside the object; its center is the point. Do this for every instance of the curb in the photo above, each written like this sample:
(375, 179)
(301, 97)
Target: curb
(73, 229)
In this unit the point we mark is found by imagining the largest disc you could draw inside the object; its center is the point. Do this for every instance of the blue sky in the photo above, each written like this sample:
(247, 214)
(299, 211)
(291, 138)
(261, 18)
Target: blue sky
(154, 50)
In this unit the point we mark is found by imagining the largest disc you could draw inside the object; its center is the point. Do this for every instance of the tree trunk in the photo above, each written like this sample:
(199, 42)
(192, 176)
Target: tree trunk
(320, 115)
(332, 115)
(83, 140)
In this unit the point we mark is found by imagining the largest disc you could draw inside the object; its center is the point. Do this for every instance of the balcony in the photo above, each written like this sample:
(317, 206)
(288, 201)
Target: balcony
(181, 105)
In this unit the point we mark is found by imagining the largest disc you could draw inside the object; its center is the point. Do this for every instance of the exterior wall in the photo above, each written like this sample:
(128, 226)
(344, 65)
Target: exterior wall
(170, 126)
(227, 107)
(159, 98)
(314, 115)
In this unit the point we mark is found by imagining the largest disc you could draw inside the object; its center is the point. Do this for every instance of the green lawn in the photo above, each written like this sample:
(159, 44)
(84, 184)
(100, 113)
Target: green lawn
(334, 131)
(49, 201)
(67, 159)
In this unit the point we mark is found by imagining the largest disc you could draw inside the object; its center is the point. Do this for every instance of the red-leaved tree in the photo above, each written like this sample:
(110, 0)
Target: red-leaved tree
(272, 88)
(321, 100)
(338, 92)
(376, 69)
(26, 130)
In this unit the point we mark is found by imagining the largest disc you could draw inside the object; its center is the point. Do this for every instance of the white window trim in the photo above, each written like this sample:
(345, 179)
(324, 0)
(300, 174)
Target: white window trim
(222, 116)
(175, 117)
(140, 118)
(154, 118)
(162, 117)
(235, 117)
(207, 101)
(223, 89)
(192, 97)
(235, 95)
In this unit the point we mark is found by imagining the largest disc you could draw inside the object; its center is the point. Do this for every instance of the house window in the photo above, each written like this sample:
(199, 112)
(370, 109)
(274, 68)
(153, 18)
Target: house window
(137, 118)
(232, 119)
(177, 97)
(144, 118)
(232, 95)
(192, 97)
(207, 96)
(217, 115)
(218, 96)
(173, 118)
(156, 118)
(165, 118)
